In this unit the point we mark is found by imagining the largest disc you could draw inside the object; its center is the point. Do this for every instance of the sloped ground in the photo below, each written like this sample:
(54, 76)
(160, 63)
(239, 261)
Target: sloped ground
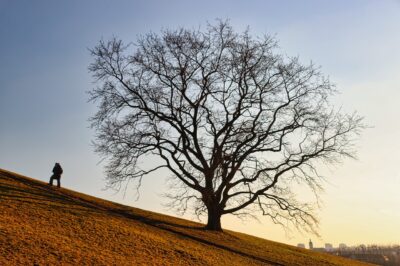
(42, 225)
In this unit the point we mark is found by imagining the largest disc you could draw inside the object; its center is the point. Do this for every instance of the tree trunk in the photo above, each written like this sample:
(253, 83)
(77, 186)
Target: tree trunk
(214, 220)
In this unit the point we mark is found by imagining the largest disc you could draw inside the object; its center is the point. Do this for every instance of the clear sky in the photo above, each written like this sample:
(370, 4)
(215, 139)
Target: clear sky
(44, 110)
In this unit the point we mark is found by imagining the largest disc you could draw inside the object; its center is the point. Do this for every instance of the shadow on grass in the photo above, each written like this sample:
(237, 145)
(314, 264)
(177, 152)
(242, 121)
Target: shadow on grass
(55, 195)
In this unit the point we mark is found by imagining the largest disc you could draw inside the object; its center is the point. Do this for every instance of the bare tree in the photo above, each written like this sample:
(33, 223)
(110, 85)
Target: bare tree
(235, 122)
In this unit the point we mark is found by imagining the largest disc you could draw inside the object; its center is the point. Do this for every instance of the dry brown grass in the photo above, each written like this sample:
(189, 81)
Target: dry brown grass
(42, 225)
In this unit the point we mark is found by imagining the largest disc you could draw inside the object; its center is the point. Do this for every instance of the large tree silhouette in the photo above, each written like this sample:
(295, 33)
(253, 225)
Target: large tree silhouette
(236, 123)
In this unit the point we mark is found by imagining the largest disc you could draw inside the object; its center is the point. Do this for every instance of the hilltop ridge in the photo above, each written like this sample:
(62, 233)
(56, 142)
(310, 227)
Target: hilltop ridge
(42, 225)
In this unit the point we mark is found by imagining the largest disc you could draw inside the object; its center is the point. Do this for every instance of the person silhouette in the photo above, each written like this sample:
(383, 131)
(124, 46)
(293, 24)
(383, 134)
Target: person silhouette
(57, 171)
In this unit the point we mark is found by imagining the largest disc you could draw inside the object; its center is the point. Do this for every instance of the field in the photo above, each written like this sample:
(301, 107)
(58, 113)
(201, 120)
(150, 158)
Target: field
(42, 225)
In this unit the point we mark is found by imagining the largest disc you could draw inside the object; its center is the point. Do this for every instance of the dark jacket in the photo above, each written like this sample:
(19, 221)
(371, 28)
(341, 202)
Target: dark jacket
(57, 170)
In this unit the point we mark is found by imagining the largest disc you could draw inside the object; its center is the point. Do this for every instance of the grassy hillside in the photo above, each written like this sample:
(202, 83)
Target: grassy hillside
(42, 225)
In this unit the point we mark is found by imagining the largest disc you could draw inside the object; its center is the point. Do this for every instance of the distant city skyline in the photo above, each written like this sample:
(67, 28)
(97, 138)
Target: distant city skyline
(372, 253)
(340, 245)
(44, 110)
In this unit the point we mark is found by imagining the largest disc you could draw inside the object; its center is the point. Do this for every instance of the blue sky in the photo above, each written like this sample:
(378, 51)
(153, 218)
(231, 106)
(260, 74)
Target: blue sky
(44, 109)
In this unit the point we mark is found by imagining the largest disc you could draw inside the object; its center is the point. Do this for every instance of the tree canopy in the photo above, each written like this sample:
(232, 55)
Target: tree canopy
(233, 120)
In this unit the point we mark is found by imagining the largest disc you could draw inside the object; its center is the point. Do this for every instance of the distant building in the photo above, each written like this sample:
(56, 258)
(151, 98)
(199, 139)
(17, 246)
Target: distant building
(328, 247)
(301, 245)
(310, 245)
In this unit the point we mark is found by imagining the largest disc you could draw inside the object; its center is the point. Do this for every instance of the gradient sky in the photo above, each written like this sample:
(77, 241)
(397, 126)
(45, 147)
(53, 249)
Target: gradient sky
(44, 109)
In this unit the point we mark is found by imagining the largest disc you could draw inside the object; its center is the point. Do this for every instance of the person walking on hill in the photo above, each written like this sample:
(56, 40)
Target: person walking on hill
(57, 171)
